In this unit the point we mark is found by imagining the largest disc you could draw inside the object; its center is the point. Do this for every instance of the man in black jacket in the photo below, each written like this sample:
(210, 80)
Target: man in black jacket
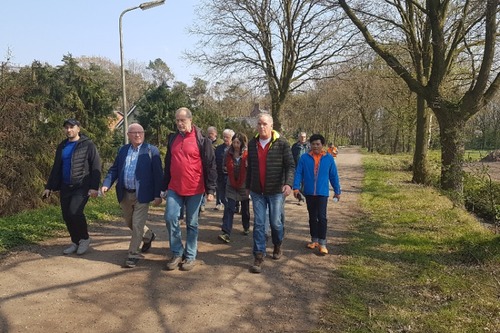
(76, 173)
(269, 180)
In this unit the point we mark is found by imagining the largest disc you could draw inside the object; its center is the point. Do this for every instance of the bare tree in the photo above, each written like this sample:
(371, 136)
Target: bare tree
(282, 44)
(460, 58)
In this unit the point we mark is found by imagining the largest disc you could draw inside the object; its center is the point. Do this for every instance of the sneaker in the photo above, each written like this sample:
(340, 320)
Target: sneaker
(225, 238)
(147, 245)
(323, 250)
(218, 207)
(312, 245)
(246, 232)
(83, 246)
(188, 265)
(173, 263)
(131, 262)
(71, 249)
(257, 264)
(277, 252)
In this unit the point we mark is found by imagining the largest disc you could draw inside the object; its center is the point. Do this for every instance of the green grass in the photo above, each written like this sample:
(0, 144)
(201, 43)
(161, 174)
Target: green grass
(414, 263)
(33, 226)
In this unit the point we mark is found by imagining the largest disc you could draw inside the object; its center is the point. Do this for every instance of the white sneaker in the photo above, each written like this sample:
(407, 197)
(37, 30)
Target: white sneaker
(71, 249)
(84, 246)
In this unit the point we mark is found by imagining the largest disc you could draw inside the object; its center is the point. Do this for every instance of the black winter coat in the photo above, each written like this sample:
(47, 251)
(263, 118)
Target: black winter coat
(280, 167)
(85, 166)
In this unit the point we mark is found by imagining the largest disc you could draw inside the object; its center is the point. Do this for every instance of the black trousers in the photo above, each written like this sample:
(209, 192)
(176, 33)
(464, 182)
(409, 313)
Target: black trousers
(73, 201)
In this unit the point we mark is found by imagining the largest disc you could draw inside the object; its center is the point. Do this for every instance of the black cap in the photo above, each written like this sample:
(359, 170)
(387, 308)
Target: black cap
(71, 122)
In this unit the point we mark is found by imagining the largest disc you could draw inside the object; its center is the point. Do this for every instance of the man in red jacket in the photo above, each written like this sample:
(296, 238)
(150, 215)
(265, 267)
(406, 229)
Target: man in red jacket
(189, 174)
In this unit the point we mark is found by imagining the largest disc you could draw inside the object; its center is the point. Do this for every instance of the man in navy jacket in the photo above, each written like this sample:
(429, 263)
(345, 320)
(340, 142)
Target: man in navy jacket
(139, 173)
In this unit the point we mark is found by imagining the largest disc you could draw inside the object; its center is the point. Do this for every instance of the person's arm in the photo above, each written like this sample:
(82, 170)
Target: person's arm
(95, 170)
(157, 172)
(334, 179)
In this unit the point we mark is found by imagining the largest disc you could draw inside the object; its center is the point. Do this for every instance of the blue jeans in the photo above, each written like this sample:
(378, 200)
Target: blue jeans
(316, 207)
(261, 204)
(172, 210)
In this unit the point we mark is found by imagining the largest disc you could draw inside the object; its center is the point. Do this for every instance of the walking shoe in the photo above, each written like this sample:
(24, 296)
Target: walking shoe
(71, 249)
(218, 207)
(147, 245)
(323, 250)
(131, 262)
(83, 246)
(277, 251)
(225, 238)
(188, 265)
(257, 264)
(173, 263)
(312, 245)
(246, 232)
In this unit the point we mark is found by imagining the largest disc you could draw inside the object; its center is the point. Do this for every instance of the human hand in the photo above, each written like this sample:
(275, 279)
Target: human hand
(93, 193)
(286, 190)
(104, 189)
(210, 197)
(46, 194)
(157, 201)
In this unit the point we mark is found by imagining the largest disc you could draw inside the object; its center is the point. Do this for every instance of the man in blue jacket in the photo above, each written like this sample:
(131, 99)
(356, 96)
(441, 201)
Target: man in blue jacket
(314, 172)
(139, 173)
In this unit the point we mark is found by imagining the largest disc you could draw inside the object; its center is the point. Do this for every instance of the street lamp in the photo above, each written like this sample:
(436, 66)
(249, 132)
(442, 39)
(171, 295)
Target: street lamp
(143, 6)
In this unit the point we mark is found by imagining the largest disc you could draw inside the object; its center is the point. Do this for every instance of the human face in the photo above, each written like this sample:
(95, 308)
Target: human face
(135, 135)
(212, 135)
(264, 127)
(302, 137)
(316, 146)
(236, 144)
(72, 132)
(184, 124)
(227, 139)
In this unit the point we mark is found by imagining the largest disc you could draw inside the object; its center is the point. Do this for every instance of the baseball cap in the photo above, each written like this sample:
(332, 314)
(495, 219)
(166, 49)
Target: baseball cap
(71, 122)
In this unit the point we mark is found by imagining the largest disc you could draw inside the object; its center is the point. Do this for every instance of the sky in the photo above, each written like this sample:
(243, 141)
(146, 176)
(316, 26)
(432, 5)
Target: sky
(46, 30)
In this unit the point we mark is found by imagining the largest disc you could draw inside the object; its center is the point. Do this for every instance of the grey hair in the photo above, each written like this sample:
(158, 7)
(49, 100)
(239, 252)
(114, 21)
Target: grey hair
(228, 131)
(265, 114)
(185, 110)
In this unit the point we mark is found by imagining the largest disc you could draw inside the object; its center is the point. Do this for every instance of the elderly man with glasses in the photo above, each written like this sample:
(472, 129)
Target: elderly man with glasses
(138, 172)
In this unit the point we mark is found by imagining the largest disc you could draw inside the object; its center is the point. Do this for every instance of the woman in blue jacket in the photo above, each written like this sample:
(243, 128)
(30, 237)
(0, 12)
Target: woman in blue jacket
(315, 171)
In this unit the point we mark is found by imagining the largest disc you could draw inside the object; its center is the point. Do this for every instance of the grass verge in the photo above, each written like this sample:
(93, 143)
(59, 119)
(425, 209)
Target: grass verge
(33, 226)
(414, 263)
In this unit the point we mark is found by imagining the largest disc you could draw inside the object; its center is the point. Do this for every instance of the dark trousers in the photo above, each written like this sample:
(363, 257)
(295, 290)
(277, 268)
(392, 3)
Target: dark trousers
(316, 207)
(220, 192)
(73, 201)
(230, 209)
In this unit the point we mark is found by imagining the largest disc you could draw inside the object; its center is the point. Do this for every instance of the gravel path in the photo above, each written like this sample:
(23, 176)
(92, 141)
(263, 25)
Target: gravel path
(43, 291)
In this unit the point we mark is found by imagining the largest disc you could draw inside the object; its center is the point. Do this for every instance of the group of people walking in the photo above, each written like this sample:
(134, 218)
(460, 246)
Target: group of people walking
(264, 169)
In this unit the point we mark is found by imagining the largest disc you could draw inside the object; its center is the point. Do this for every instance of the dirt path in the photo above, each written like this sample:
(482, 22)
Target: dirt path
(43, 291)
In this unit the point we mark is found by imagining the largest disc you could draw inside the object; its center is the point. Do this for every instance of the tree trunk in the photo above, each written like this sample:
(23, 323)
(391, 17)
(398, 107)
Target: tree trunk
(420, 165)
(451, 127)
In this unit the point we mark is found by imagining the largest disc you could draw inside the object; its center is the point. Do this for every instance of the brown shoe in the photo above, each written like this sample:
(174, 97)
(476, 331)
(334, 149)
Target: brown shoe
(257, 264)
(277, 251)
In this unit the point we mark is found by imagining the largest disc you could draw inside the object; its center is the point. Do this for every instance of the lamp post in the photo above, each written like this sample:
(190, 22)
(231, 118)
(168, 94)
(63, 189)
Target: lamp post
(143, 6)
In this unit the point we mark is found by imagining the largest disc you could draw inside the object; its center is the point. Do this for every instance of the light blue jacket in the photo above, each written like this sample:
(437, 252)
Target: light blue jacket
(317, 184)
